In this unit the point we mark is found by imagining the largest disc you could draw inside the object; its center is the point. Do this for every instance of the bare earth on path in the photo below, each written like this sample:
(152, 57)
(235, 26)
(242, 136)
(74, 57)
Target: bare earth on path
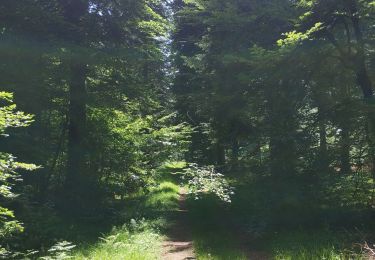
(179, 244)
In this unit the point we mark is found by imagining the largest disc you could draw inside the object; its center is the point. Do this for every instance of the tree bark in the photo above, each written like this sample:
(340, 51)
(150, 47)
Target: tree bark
(77, 125)
(77, 182)
(220, 154)
(345, 150)
(362, 76)
(235, 153)
(323, 150)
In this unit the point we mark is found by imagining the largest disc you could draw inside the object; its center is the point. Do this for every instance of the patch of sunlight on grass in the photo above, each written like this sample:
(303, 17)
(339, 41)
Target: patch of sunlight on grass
(163, 197)
(137, 240)
(169, 187)
(136, 243)
(175, 165)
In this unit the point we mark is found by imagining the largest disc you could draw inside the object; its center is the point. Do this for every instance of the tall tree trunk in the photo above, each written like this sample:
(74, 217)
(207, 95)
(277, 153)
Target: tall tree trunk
(371, 159)
(283, 151)
(220, 154)
(235, 153)
(258, 152)
(345, 149)
(363, 78)
(77, 181)
(76, 126)
(274, 153)
(323, 150)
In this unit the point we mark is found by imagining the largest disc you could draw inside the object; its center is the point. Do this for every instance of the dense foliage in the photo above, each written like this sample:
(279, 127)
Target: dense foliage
(9, 117)
(268, 105)
(277, 88)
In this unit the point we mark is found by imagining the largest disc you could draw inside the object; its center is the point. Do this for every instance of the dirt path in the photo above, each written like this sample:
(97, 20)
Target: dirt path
(179, 244)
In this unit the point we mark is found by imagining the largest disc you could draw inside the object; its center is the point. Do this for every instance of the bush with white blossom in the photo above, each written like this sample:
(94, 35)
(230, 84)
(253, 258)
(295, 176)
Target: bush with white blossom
(203, 180)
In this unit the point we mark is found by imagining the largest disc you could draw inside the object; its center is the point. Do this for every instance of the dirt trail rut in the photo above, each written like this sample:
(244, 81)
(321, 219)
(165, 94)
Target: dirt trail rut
(179, 244)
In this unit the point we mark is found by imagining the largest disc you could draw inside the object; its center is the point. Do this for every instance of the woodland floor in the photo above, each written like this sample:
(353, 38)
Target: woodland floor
(179, 242)
(178, 227)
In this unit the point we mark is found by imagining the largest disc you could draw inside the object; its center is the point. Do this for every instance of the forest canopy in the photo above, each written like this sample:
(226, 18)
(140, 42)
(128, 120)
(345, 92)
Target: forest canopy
(256, 115)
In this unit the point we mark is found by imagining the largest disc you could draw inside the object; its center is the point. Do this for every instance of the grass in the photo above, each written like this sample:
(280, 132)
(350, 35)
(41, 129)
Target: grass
(138, 239)
(216, 244)
(212, 239)
(318, 244)
(163, 198)
(292, 245)
(146, 216)
(218, 228)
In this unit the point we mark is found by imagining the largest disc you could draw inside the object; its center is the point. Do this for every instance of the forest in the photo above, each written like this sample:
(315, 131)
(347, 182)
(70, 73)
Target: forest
(187, 129)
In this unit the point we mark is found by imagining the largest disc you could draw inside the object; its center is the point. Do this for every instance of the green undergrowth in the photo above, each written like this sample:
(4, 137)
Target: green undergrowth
(138, 240)
(163, 198)
(212, 238)
(308, 244)
(216, 244)
(145, 219)
(330, 234)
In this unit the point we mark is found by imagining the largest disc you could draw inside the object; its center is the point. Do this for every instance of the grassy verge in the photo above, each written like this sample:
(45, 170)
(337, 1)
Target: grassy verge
(216, 244)
(219, 228)
(212, 238)
(138, 239)
(308, 244)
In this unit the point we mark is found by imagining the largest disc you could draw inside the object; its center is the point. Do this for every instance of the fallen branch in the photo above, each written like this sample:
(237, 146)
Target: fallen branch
(369, 250)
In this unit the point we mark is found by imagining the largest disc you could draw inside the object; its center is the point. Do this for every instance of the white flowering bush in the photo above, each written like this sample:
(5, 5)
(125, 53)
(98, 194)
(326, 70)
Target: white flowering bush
(203, 180)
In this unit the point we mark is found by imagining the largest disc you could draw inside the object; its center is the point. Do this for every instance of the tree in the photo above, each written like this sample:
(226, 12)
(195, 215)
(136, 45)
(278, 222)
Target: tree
(92, 56)
(10, 118)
